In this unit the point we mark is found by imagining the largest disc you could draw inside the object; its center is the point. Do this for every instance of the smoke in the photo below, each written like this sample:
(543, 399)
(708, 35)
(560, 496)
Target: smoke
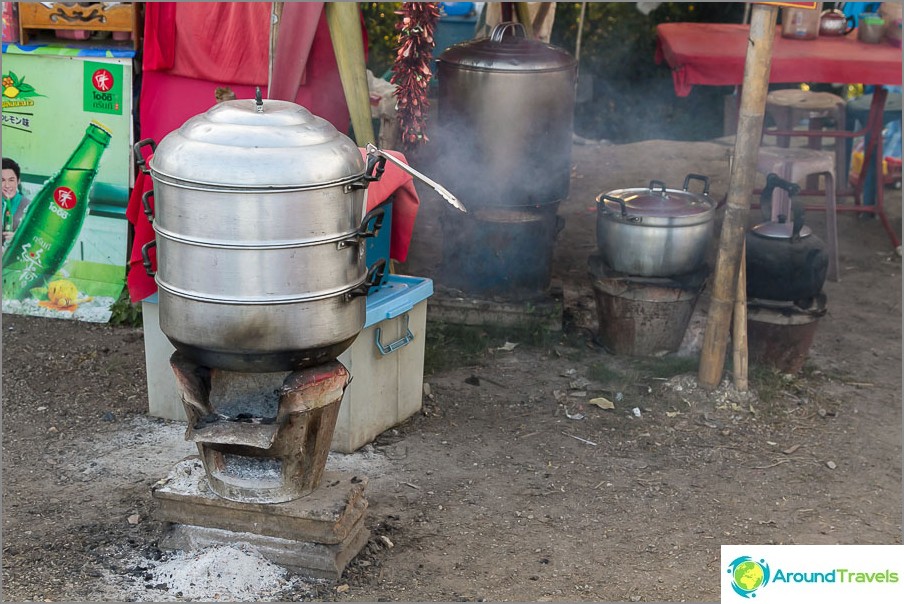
(503, 146)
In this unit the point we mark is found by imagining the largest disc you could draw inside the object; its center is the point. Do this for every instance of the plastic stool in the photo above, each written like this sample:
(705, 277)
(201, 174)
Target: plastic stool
(821, 109)
(793, 164)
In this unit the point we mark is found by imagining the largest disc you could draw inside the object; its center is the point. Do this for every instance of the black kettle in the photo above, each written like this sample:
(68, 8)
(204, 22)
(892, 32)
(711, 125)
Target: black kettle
(785, 262)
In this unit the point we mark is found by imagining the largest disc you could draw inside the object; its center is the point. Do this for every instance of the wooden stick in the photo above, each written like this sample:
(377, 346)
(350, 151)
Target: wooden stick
(345, 32)
(276, 10)
(739, 328)
(523, 13)
(734, 225)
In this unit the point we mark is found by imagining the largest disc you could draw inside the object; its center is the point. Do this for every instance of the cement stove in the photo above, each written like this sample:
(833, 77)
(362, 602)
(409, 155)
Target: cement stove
(263, 441)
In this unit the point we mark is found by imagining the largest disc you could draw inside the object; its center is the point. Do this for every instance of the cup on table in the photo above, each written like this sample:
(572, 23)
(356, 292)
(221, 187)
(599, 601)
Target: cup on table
(870, 28)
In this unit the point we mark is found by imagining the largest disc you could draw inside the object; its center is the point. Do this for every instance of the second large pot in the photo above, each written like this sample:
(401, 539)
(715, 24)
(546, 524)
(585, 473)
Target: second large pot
(655, 231)
(506, 111)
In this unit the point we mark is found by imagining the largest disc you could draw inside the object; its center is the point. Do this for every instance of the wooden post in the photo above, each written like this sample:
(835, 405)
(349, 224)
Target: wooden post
(523, 12)
(345, 32)
(276, 9)
(734, 225)
(739, 328)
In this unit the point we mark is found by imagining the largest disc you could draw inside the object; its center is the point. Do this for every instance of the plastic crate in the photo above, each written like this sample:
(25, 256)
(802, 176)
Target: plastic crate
(386, 363)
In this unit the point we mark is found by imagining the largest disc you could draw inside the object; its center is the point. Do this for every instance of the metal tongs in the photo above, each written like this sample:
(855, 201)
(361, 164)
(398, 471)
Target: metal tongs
(444, 193)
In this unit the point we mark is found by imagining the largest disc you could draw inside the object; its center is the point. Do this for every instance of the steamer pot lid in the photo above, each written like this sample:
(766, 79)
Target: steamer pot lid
(234, 144)
(508, 49)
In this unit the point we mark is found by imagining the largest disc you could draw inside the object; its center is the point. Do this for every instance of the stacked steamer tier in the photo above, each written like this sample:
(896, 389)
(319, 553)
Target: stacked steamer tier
(506, 109)
(260, 231)
(650, 265)
(786, 271)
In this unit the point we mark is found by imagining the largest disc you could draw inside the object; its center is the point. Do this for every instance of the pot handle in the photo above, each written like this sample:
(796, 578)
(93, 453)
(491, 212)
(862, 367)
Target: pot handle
(624, 210)
(374, 217)
(140, 160)
(498, 32)
(370, 226)
(146, 257)
(373, 171)
(705, 179)
(660, 184)
(374, 277)
(145, 201)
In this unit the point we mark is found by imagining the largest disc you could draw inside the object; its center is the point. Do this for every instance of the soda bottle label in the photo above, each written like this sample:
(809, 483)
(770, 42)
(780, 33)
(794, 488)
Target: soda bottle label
(65, 198)
(53, 220)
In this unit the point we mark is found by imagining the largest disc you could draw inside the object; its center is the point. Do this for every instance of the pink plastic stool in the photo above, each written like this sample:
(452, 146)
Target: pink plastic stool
(794, 164)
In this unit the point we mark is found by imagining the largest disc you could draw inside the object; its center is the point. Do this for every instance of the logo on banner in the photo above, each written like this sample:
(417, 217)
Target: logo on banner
(748, 575)
(103, 88)
(65, 198)
(18, 98)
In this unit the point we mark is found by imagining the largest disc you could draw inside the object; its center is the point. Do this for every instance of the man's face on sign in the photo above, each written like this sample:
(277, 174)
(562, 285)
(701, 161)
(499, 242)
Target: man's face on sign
(10, 184)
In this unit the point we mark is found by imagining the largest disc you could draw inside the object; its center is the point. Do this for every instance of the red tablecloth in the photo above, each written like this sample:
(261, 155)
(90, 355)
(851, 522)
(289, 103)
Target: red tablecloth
(713, 54)
(394, 182)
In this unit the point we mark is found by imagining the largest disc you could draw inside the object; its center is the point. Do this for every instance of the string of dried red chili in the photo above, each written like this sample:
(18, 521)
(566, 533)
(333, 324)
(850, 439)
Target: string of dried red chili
(411, 70)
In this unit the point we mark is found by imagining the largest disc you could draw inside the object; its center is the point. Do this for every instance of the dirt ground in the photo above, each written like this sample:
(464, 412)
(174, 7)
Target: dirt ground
(510, 486)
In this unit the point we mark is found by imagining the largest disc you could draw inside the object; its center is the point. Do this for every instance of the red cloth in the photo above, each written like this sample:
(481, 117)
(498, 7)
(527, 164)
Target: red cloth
(140, 284)
(713, 54)
(184, 63)
(394, 182)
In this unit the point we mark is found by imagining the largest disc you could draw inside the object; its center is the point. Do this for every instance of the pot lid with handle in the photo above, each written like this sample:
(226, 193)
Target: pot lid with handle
(258, 143)
(781, 229)
(658, 205)
(508, 49)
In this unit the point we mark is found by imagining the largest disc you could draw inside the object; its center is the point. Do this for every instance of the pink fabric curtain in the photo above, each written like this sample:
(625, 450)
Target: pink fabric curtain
(191, 48)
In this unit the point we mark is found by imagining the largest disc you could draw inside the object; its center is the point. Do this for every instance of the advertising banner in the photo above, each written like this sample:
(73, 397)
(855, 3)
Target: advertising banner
(67, 124)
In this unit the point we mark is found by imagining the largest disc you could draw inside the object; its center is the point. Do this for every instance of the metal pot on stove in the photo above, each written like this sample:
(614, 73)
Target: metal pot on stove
(501, 99)
(785, 261)
(655, 231)
(259, 224)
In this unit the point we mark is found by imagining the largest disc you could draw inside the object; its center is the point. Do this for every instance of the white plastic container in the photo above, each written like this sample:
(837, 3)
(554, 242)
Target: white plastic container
(386, 363)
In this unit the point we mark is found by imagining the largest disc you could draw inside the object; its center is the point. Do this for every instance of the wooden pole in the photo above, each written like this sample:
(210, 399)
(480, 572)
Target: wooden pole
(345, 32)
(275, 17)
(739, 328)
(522, 10)
(750, 128)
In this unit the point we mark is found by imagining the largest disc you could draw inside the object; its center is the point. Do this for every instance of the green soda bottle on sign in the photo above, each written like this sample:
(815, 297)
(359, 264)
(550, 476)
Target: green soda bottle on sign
(54, 219)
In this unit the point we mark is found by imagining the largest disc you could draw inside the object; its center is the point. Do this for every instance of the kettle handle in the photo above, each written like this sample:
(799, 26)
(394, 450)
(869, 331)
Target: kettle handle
(498, 32)
(774, 181)
(851, 24)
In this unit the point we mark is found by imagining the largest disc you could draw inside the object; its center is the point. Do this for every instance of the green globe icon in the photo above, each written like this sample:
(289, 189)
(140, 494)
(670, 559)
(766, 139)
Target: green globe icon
(748, 575)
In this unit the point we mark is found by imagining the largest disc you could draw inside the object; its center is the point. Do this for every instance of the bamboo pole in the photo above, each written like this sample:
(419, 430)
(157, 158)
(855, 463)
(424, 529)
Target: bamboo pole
(522, 10)
(750, 127)
(739, 328)
(345, 32)
(276, 9)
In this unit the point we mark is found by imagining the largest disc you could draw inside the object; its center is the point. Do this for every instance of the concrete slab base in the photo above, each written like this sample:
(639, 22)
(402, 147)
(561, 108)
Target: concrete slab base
(316, 535)
(542, 310)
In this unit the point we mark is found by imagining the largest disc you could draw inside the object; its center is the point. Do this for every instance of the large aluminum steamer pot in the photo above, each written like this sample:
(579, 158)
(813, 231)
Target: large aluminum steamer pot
(506, 113)
(259, 223)
(655, 231)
